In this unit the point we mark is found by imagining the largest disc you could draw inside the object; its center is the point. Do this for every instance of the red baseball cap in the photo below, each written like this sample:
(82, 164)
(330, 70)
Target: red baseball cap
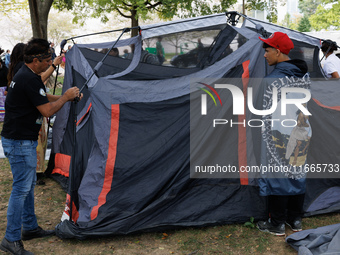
(279, 41)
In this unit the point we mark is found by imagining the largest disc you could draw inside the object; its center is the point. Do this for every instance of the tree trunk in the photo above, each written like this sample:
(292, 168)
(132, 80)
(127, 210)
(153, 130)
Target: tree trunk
(134, 23)
(39, 10)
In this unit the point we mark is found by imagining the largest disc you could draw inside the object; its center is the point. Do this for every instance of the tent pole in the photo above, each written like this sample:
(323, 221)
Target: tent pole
(62, 44)
(100, 63)
(104, 32)
(73, 167)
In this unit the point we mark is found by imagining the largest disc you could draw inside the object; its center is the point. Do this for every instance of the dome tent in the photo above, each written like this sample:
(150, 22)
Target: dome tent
(131, 152)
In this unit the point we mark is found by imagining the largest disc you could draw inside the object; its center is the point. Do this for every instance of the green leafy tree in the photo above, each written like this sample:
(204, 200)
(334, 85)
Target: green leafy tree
(304, 25)
(39, 10)
(308, 7)
(136, 10)
(20, 29)
(290, 22)
(327, 16)
(59, 26)
(7, 6)
(39, 15)
(270, 6)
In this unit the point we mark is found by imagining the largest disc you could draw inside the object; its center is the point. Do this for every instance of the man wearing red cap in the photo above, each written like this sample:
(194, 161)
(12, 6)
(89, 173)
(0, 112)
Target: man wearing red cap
(285, 193)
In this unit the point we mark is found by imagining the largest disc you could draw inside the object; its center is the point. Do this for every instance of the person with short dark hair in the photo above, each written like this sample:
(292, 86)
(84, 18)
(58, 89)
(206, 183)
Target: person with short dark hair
(331, 66)
(114, 52)
(53, 51)
(3, 72)
(26, 104)
(159, 51)
(285, 195)
(200, 44)
(17, 61)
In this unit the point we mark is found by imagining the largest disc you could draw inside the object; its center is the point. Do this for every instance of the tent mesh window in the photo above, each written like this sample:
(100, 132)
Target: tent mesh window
(178, 54)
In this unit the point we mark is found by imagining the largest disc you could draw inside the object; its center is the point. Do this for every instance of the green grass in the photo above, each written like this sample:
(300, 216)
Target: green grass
(59, 88)
(60, 79)
(58, 91)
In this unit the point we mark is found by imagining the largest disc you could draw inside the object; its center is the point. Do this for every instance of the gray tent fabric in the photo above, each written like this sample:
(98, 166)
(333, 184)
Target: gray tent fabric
(182, 25)
(295, 35)
(324, 240)
(330, 198)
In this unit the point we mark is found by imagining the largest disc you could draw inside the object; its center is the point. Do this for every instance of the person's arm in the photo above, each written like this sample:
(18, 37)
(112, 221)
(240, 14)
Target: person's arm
(52, 98)
(335, 75)
(45, 75)
(52, 107)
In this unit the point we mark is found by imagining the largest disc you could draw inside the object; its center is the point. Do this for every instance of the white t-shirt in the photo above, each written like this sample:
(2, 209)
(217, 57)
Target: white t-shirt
(331, 65)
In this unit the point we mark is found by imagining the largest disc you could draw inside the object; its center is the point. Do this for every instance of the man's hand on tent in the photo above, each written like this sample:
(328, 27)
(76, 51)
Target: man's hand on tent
(74, 91)
(58, 60)
(56, 102)
(71, 94)
(78, 98)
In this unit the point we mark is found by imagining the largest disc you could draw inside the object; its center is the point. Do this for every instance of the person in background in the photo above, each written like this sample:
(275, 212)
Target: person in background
(130, 55)
(7, 58)
(159, 51)
(147, 57)
(17, 61)
(126, 53)
(331, 66)
(114, 52)
(3, 72)
(199, 44)
(26, 104)
(3, 87)
(53, 50)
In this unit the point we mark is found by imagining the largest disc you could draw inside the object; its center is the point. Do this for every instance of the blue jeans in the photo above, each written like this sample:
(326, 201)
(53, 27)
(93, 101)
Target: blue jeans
(22, 157)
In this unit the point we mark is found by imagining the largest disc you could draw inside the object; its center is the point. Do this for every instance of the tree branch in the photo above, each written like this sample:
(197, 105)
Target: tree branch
(122, 14)
(152, 6)
(126, 4)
